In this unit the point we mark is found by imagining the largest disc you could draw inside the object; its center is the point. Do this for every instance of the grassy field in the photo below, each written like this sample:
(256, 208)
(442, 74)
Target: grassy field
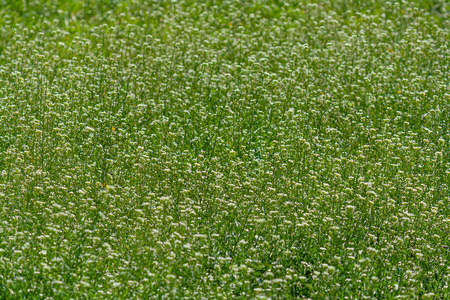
(224, 149)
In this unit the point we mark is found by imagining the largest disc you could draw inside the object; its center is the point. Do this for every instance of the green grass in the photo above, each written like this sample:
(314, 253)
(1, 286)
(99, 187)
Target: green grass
(224, 149)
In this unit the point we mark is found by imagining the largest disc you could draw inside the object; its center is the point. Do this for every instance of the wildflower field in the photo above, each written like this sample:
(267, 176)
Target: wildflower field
(220, 149)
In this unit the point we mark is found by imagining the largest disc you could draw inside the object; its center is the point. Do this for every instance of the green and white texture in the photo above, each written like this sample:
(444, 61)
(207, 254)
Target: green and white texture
(224, 149)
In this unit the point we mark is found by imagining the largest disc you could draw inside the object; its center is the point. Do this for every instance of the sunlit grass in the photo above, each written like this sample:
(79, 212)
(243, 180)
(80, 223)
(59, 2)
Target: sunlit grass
(224, 150)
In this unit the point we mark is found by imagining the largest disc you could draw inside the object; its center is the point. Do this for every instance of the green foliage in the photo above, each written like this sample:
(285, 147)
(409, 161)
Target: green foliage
(224, 149)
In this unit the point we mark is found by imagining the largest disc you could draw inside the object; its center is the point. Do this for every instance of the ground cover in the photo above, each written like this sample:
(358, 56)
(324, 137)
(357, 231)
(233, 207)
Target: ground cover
(224, 149)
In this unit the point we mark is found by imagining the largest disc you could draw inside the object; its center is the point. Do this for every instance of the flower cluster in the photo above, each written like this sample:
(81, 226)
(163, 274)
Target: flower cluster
(221, 149)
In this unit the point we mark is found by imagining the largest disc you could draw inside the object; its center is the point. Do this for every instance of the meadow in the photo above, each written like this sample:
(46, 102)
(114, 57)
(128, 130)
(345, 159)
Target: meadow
(261, 149)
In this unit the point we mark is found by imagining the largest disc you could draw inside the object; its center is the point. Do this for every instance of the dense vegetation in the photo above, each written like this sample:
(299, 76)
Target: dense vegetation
(248, 149)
